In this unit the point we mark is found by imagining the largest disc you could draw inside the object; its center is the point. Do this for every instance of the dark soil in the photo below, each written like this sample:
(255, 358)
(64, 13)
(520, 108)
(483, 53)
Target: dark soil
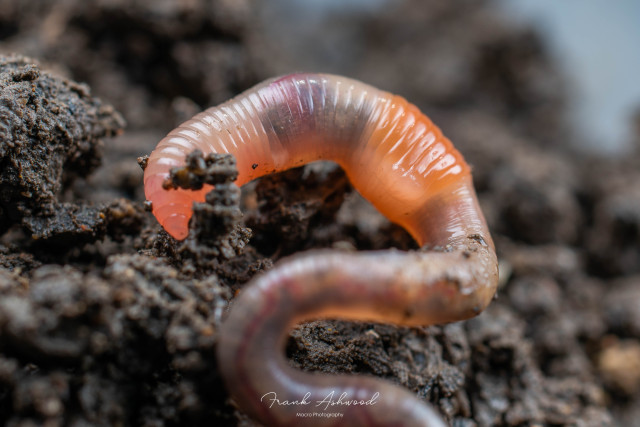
(106, 320)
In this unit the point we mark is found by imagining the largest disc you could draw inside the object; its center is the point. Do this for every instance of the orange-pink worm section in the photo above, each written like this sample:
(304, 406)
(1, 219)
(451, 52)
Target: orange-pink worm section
(392, 153)
(400, 162)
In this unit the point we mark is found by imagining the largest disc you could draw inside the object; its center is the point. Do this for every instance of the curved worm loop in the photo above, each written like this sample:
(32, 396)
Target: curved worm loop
(397, 159)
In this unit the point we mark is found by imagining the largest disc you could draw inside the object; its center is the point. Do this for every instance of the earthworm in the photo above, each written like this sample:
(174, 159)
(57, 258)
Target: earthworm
(398, 160)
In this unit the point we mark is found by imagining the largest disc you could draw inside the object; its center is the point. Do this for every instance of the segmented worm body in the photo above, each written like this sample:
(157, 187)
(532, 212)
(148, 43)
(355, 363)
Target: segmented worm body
(398, 160)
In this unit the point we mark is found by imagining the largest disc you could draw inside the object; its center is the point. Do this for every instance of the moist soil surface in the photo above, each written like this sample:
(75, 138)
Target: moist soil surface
(106, 320)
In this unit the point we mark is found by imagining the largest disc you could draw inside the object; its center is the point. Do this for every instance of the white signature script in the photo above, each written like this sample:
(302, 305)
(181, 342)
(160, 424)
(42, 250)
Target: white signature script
(329, 400)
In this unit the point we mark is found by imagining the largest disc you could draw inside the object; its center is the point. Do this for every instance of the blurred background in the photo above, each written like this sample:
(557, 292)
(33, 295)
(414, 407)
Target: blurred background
(420, 50)
(594, 45)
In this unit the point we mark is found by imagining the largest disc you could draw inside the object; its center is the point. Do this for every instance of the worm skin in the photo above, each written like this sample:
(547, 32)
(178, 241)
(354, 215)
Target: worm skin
(397, 159)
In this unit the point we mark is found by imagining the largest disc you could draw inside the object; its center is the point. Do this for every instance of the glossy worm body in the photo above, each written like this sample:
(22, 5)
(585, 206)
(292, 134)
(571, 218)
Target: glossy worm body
(401, 163)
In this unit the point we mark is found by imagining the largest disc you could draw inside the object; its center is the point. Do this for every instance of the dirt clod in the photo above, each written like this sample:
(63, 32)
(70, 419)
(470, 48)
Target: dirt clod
(51, 130)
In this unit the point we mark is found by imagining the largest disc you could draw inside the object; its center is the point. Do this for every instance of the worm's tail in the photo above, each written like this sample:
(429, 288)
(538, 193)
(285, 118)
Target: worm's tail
(402, 288)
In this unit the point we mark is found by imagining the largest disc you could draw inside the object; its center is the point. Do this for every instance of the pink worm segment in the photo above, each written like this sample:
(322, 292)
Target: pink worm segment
(398, 160)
